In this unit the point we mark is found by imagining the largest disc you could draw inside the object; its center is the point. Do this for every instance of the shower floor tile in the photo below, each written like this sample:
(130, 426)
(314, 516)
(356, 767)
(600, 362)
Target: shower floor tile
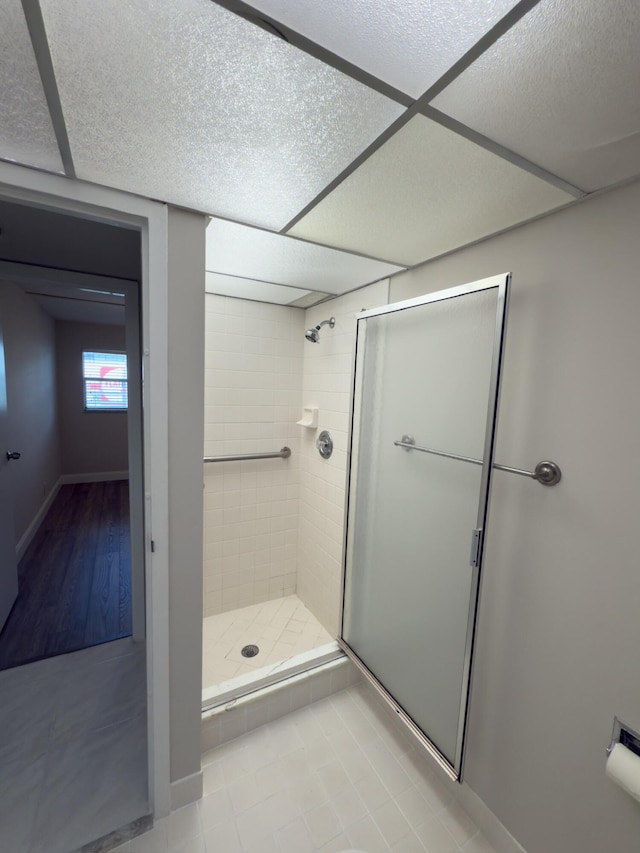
(280, 628)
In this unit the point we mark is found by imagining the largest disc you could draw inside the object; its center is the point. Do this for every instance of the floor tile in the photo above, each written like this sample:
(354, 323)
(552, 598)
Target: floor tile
(287, 788)
(391, 822)
(435, 836)
(459, 824)
(27, 715)
(112, 691)
(183, 825)
(154, 841)
(477, 844)
(365, 835)
(295, 838)
(92, 783)
(254, 825)
(323, 824)
(215, 808)
(20, 785)
(223, 837)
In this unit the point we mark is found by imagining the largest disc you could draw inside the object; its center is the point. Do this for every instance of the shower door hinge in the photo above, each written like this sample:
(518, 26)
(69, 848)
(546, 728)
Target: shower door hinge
(476, 548)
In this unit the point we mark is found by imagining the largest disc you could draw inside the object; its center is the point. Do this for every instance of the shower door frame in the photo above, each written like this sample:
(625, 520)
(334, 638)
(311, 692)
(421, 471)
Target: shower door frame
(502, 284)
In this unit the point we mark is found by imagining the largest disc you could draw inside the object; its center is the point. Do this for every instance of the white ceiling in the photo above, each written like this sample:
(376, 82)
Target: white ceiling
(562, 89)
(74, 304)
(26, 131)
(319, 135)
(234, 249)
(423, 191)
(407, 43)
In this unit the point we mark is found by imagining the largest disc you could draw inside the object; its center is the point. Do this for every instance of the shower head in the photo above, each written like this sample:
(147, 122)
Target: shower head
(313, 335)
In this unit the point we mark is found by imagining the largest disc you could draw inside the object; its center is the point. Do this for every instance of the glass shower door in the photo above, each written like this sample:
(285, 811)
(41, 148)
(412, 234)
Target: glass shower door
(425, 402)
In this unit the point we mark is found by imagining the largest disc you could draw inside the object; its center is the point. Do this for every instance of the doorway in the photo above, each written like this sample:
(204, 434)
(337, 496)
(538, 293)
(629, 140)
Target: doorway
(73, 652)
(72, 371)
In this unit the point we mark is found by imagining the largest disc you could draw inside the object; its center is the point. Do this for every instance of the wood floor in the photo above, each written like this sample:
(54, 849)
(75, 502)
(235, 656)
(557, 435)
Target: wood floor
(75, 577)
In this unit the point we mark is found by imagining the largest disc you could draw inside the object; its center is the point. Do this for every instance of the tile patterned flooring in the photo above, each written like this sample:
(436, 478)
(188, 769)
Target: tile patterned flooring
(335, 775)
(73, 748)
(280, 628)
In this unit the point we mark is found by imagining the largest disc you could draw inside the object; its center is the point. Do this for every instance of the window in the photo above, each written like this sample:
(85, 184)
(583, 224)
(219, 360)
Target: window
(105, 381)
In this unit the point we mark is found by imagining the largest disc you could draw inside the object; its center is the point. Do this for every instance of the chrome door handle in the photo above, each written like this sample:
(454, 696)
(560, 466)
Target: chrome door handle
(12, 455)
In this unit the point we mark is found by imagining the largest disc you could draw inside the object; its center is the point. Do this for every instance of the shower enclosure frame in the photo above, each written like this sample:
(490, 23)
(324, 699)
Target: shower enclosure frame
(502, 284)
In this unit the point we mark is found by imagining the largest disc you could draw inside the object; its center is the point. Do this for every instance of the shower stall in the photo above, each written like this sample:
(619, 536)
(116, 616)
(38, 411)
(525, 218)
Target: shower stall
(273, 507)
(425, 402)
(376, 550)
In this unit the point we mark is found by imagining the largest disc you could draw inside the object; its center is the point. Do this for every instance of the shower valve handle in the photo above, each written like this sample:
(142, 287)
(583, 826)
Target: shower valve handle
(324, 443)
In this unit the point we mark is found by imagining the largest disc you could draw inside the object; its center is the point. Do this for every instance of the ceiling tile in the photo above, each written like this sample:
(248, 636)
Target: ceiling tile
(425, 192)
(407, 43)
(238, 250)
(188, 103)
(246, 288)
(561, 89)
(26, 132)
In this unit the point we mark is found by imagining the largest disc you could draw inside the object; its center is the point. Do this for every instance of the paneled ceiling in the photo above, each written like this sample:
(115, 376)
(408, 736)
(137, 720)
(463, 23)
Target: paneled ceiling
(377, 133)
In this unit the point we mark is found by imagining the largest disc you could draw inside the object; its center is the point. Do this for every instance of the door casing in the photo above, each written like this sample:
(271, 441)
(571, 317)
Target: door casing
(8, 559)
(37, 189)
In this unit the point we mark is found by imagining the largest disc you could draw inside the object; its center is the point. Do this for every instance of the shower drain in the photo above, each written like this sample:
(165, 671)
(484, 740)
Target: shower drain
(249, 651)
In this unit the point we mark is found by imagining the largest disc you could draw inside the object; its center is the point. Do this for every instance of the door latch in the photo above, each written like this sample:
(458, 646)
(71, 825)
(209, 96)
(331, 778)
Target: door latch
(476, 548)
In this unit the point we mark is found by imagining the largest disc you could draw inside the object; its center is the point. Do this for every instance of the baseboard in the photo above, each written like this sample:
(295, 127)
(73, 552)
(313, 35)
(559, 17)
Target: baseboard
(36, 521)
(94, 477)
(186, 790)
(491, 827)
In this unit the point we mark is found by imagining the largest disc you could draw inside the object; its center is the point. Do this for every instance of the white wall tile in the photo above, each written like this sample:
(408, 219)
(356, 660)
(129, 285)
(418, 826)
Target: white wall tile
(326, 384)
(253, 382)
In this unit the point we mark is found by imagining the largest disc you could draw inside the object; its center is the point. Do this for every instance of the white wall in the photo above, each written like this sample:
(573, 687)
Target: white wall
(186, 414)
(327, 372)
(559, 632)
(90, 442)
(30, 355)
(253, 378)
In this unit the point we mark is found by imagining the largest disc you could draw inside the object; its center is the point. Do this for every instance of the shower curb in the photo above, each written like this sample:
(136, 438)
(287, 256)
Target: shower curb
(243, 715)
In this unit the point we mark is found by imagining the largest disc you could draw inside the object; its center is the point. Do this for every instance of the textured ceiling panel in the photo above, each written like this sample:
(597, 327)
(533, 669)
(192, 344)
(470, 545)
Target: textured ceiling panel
(407, 43)
(259, 291)
(562, 89)
(247, 252)
(26, 132)
(186, 102)
(425, 192)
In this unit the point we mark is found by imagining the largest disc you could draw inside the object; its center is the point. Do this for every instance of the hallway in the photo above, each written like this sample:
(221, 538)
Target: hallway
(75, 577)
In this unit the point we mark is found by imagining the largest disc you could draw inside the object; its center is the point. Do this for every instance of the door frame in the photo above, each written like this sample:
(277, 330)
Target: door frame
(502, 284)
(8, 583)
(42, 190)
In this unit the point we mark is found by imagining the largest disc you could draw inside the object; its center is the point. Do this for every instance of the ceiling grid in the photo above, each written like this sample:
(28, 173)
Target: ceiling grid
(293, 117)
(26, 131)
(38, 35)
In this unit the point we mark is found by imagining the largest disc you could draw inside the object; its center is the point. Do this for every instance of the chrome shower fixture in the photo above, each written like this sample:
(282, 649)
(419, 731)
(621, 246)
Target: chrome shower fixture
(313, 335)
